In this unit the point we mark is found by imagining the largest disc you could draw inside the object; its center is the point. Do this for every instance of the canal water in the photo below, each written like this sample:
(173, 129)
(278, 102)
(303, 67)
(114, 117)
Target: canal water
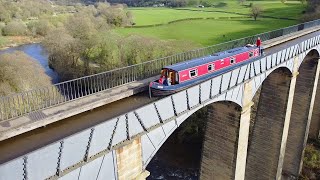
(37, 52)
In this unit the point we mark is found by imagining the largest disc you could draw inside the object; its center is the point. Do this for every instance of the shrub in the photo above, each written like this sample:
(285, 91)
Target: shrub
(19, 72)
(41, 27)
(2, 25)
(15, 28)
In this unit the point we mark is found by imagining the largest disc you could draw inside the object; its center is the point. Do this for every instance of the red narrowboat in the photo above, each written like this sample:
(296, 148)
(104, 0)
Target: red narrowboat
(180, 76)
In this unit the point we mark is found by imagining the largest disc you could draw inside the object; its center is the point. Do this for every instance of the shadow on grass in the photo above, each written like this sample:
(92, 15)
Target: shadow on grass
(291, 11)
(220, 5)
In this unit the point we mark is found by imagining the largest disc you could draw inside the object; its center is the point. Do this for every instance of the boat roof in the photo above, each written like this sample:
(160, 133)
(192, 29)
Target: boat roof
(203, 60)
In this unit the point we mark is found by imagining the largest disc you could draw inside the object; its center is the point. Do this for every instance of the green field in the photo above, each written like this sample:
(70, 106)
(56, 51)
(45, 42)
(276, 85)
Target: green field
(206, 32)
(291, 9)
(148, 16)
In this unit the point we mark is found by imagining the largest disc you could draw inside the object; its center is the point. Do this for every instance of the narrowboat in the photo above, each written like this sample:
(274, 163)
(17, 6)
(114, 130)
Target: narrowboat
(183, 75)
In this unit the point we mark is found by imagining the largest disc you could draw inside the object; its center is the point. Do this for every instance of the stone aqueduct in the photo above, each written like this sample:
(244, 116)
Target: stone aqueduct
(260, 116)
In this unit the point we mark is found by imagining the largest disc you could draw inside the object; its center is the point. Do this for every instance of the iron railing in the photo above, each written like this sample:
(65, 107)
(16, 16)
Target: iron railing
(26, 102)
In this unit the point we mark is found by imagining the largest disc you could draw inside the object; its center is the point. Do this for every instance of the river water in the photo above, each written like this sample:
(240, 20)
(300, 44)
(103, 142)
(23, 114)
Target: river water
(37, 52)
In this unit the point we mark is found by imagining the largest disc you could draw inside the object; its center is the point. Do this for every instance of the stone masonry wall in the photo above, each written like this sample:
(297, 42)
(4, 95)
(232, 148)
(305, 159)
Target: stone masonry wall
(299, 117)
(129, 160)
(315, 121)
(266, 135)
(220, 143)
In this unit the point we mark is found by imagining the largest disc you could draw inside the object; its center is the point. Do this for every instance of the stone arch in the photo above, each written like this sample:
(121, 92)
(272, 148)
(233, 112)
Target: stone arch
(267, 125)
(220, 144)
(298, 128)
(153, 137)
(305, 55)
(258, 83)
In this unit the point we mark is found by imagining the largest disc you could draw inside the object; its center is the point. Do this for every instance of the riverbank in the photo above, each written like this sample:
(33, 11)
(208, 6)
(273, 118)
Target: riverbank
(14, 41)
(38, 53)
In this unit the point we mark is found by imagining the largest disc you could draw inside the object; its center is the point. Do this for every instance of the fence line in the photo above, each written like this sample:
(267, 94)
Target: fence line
(19, 104)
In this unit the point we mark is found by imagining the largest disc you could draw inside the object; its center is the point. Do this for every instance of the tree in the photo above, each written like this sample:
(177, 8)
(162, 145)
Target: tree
(303, 1)
(256, 11)
(283, 1)
(15, 28)
(242, 1)
(41, 27)
(80, 26)
(4, 15)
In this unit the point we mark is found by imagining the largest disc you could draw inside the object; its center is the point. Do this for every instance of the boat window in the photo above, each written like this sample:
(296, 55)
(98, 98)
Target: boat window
(210, 67)
(250, 54)
(177, 77)
(193, 73)
(232, 60)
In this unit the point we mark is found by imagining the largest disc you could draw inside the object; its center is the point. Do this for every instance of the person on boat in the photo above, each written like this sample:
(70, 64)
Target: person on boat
(161, 80)
(258, 43)
(165, 81)
(168, 80)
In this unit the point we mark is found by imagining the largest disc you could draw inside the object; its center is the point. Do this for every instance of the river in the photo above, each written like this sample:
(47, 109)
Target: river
(37, 52)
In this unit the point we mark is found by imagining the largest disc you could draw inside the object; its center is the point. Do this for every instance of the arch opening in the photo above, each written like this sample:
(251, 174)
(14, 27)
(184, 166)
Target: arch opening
(179, 156)
(220, 143)
(298, 127)
(266, 126)
(205, 143)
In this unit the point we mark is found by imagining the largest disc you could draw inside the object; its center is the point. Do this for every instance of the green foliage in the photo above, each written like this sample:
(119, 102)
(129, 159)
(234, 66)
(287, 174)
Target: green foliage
(312, 157)
(313, 11)
(2, 25)
(41, 27)
(23, 9)
(3, 41)
(193, 129)
(80, 26)
(72, 56)
(311, 161)
(15, 28)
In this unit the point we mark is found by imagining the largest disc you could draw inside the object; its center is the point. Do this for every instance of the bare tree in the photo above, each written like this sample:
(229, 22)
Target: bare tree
(256, 11)
(303, 1)
(242, 1)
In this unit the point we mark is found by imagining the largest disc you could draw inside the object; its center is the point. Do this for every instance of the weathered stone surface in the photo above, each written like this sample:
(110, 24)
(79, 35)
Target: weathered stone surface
(299, 116)
(221, 141)
(265, 138)
(129, 161)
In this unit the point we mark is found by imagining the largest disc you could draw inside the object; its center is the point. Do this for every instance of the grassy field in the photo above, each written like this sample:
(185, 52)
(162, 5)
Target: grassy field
(290, 9)
(148, 16)
(208, 32)
(274, 8)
